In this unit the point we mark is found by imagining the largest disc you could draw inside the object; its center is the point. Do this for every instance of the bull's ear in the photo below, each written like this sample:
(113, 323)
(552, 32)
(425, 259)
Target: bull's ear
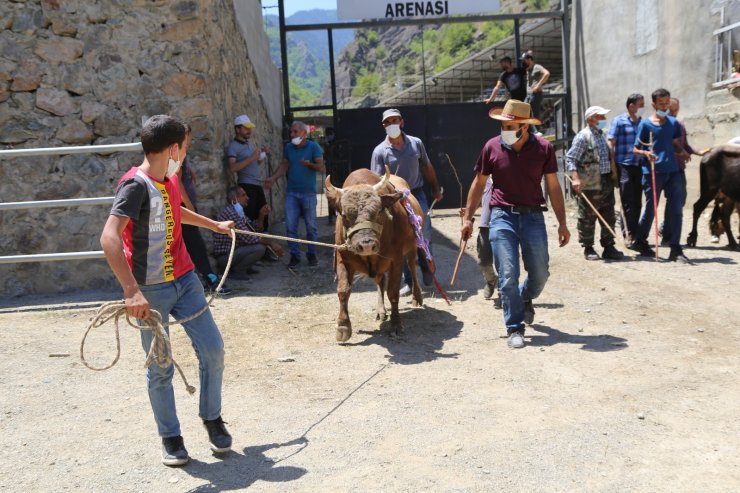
(388, 199)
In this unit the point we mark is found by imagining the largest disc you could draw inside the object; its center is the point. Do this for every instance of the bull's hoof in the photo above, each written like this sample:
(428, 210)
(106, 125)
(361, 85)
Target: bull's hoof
(734, 247)
(396, 333)
(381, 316)
(691, 240)
(415, 302)
(343, 334)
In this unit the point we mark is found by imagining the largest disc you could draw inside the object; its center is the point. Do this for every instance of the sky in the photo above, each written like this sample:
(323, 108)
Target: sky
(293, 6)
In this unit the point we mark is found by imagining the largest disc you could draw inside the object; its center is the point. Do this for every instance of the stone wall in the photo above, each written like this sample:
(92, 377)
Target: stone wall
(79, 72)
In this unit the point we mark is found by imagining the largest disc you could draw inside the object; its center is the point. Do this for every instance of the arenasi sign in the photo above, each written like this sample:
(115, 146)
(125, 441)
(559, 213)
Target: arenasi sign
(374, 9)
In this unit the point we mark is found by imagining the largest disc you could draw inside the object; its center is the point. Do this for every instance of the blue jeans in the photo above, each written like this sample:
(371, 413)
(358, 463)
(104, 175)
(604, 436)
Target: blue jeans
(181, 298)
(421, 197)
(508, 232)
(673, 186)
(297, 205)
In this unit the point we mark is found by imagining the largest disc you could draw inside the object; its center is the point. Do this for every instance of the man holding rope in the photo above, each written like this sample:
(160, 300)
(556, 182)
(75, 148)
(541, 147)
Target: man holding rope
(517, 162)
(663, 133)
(589, 163)
(143, 244)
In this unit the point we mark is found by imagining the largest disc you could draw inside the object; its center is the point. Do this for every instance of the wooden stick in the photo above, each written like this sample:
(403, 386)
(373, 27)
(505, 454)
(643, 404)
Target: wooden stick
(601, 218)
(463, 245)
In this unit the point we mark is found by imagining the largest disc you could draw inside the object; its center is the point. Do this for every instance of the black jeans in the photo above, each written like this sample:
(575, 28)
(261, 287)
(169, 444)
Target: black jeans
(197, 249)
(257, 199)
(630, 186)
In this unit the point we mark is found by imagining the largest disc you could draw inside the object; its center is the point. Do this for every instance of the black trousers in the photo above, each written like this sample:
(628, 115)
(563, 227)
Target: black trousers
(257, 200)
(630, 185)
(197, 249)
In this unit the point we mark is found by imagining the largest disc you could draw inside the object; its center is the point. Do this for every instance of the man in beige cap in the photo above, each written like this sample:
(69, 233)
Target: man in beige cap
(517, 161)
(588, 162)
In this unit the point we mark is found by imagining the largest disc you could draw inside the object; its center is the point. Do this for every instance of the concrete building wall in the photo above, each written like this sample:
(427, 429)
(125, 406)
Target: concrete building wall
(618, 48)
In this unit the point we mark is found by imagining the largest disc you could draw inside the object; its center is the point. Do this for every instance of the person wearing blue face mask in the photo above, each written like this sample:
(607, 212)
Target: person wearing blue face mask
(249, 249)
(588, 162)
(665, 134)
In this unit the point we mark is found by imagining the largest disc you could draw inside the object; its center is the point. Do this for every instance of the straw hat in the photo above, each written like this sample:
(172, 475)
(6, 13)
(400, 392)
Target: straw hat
(514, 111)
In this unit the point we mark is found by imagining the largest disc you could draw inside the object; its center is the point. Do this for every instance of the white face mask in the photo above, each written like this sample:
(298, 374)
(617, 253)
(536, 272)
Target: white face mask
(393, 131)
(296, 141)
(509, 136)
(173, 166)
(638, 112)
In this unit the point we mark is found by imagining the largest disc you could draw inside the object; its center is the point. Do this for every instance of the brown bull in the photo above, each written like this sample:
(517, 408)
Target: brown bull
(375, 229)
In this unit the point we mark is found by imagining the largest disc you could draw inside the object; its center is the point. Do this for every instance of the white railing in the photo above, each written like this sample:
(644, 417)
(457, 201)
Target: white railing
(41, 204)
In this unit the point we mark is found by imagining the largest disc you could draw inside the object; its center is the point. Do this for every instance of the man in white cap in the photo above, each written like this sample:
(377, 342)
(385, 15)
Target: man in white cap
(406, 157)
(588, 162)
(244, 160)
(517, 160)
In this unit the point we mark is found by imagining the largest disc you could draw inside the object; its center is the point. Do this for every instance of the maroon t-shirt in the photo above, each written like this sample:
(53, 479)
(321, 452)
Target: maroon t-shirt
(517, 177)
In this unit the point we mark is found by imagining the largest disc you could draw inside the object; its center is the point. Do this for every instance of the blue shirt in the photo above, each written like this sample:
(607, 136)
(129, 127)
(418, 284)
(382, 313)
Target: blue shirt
(301, 178)
(663, 136)
(406, 162)
(251, 175)
(622, 131)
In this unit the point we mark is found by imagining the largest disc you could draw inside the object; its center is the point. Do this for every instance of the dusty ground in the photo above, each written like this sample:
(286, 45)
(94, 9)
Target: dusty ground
(629, 382)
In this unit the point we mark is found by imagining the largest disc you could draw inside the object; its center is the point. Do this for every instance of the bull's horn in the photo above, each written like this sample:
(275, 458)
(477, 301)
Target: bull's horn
(330, 187)
(385, 179)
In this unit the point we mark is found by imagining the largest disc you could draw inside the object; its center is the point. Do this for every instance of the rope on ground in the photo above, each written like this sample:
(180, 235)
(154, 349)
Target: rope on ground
(160, 351)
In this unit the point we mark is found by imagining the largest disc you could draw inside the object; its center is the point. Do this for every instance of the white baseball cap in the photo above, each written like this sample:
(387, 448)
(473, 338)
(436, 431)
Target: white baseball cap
(244, 121)
(595, 110)
(391, 112)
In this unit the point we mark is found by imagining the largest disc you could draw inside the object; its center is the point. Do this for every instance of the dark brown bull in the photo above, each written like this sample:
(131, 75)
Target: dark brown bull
(375, 229)
(719, 171)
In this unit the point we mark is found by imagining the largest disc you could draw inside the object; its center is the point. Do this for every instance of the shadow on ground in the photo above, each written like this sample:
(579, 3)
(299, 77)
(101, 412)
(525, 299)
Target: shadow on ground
(237, 471)
(426, 330)
(595, 343)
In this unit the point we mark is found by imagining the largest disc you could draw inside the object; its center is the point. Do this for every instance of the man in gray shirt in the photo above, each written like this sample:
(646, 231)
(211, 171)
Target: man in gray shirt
(244, 160)
(406, 157)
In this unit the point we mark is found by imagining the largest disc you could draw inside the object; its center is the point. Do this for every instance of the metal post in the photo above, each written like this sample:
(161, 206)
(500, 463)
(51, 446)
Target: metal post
(517, 43)
(565, 33)
(284, 59)
(332, 79)
(423, 66)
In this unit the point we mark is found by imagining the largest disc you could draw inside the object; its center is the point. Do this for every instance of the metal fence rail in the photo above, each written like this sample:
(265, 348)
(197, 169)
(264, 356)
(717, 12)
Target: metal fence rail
(42, 204)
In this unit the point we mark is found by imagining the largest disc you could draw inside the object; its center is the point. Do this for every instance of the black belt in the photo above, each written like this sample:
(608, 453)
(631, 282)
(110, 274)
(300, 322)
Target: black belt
(417, 191)
(520, 209)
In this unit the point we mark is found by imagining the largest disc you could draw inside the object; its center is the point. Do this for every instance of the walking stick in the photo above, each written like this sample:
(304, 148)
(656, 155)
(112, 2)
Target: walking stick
(434, 202)
(649, 145)
(601, 218)
(463, 244)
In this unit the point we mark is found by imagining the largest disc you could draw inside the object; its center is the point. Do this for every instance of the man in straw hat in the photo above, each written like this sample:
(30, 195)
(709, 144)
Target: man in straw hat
(517, 160)
(589, 164)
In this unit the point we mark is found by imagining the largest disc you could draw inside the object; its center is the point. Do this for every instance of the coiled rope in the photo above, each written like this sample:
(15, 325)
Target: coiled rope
(160, 351)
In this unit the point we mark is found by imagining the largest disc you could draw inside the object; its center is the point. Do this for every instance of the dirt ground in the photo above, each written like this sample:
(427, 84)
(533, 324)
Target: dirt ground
(628, 382)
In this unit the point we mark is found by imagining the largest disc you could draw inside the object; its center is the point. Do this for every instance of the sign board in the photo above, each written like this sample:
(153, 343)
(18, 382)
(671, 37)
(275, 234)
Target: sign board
(374, 9)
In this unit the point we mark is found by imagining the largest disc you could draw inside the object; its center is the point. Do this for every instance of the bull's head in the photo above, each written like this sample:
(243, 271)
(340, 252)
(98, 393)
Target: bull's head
(364, 211)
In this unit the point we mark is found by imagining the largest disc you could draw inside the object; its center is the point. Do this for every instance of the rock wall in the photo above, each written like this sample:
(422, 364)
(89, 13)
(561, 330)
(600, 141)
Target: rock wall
(79, 72)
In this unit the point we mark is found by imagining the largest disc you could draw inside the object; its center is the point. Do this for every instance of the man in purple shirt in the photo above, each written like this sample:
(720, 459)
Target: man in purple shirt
(517, 161)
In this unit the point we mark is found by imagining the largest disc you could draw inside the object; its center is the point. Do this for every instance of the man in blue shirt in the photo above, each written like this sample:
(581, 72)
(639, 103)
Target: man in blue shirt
(621, 138)
(302, 159)
(665, 134)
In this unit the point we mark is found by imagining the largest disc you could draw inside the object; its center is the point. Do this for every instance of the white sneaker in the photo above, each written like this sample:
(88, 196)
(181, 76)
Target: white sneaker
(405, 290)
